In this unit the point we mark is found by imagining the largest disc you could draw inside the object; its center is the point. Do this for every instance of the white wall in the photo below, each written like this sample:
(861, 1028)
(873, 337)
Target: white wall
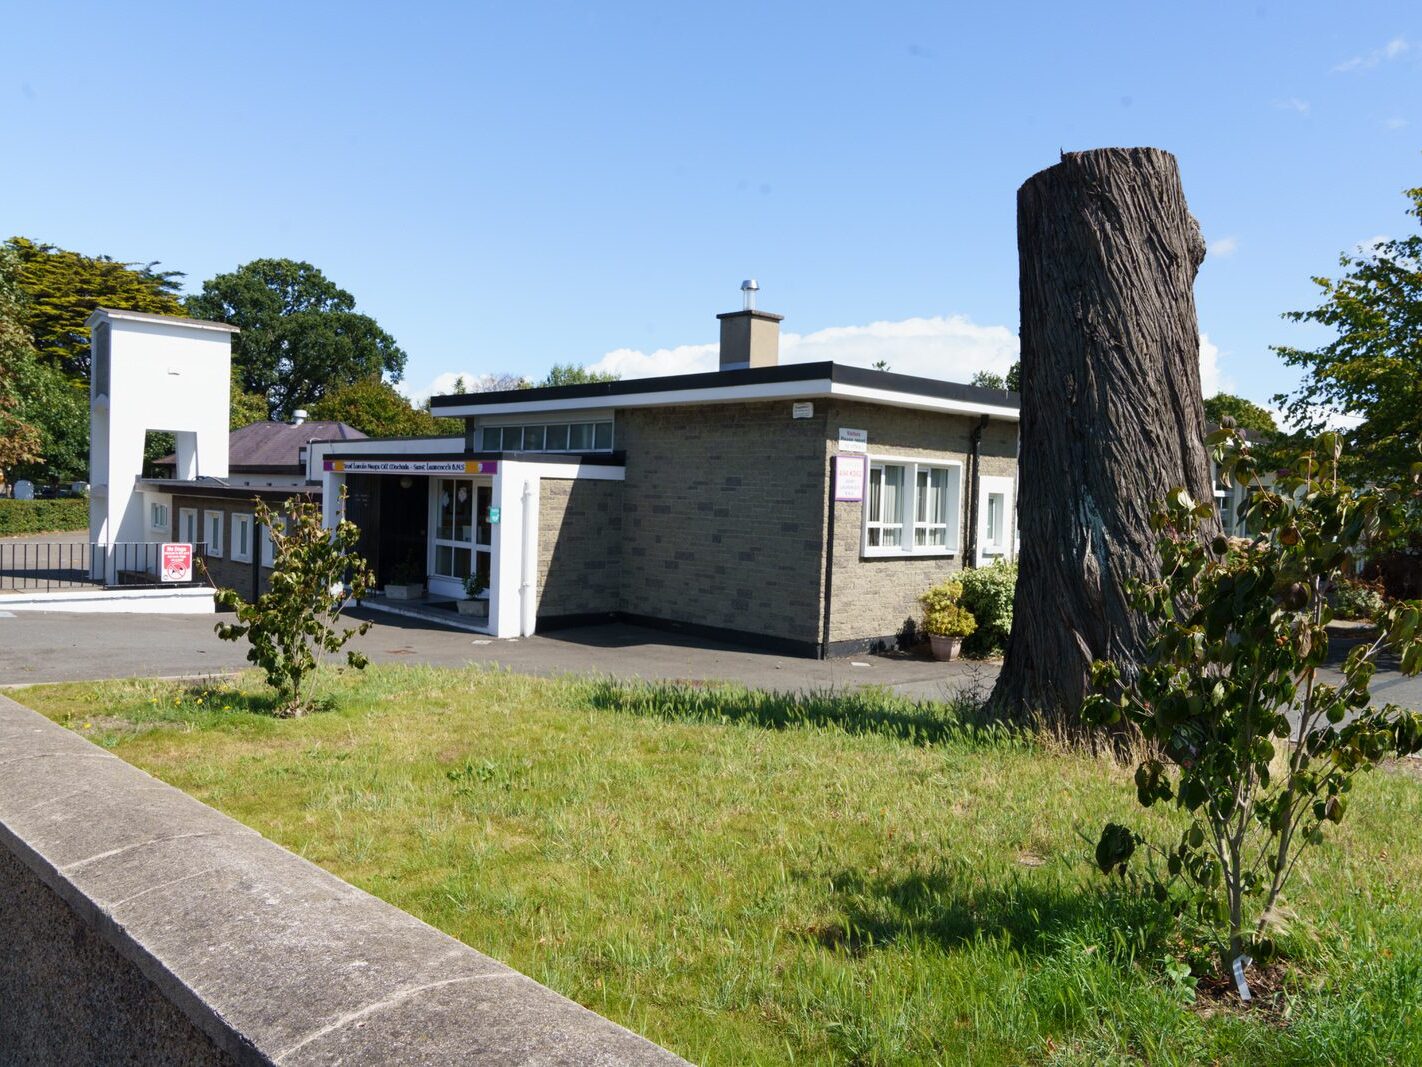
(164, 374)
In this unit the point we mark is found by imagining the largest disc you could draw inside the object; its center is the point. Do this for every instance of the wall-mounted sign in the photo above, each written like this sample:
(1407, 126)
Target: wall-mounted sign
(494, 515)
(853, 440)
(802, 409)
(175, 562)
(411, 466)
(849, 478)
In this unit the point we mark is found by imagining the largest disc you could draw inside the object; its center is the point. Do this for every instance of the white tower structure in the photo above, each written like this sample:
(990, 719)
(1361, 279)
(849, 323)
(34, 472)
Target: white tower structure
(151, 372)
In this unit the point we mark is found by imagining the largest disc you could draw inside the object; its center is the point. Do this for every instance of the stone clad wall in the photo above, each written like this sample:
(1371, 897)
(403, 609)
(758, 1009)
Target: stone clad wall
(141, 926)
(873, 598)
(579, 547)
(724, 509)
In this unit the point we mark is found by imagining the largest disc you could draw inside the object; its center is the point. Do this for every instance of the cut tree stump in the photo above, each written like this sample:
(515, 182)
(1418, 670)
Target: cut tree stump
(1112, 416)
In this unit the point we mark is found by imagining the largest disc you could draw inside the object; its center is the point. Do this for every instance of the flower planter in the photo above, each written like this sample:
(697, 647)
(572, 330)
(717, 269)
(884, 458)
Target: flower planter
(477, 608)
(403, 591)
(945, 648)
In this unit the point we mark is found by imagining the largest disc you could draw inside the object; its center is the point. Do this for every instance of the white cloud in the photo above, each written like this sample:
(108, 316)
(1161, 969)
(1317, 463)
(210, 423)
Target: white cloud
(1394, 49)
(951, 347)
(1211, 379)
(472, 381)
(1293, 103)
(1370, 247)
(1397, 122)
(1224, 246)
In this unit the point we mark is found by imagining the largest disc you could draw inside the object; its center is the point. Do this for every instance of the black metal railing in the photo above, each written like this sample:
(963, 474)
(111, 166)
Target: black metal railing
(48, 566)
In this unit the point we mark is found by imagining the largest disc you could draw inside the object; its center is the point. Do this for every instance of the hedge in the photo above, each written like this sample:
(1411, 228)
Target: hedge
(43, 516)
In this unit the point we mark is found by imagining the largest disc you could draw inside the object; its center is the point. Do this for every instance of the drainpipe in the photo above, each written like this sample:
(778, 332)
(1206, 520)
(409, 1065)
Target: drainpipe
(530, 561)
(970, 556)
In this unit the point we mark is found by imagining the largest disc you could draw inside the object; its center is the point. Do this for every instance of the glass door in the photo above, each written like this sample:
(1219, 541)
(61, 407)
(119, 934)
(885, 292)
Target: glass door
(462, 532)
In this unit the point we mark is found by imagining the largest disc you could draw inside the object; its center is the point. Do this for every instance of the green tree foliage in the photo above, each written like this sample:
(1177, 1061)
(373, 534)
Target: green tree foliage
(301, 335)
(376, 408)
(1373, 367)
(1246, 736)
(572, 374)
(988, 593)
(63, 288)
(20, 437)
(1011, 380)
(1247, 415)
(290, 627)
(58, 406)
(245, 408)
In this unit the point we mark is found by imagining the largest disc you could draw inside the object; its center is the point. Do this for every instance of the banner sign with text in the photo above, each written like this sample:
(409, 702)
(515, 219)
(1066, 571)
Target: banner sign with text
(411, 466)
(849, 478)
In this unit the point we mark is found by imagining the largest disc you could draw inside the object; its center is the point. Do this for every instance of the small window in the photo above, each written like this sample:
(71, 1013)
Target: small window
(187, 525)
(268, 545)
(492, 438)
(580, 437)
(602, 437)
(886, 506)
(213, 530)
(996, 519)
(930, 523)
(557, 438)
(242, 538)
(533, 438)
(513, 439)
(158, 516)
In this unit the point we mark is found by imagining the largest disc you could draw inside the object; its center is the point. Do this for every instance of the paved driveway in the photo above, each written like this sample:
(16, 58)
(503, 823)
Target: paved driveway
(56, 646)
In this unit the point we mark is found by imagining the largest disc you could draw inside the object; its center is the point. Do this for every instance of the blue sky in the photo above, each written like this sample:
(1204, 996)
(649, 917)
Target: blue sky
(505, 186)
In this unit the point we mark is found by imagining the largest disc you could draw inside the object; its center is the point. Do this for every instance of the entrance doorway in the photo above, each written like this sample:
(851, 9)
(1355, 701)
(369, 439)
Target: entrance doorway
(463, 533)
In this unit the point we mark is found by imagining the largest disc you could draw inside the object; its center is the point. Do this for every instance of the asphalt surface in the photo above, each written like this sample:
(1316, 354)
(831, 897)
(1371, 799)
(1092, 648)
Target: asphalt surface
(40, 647)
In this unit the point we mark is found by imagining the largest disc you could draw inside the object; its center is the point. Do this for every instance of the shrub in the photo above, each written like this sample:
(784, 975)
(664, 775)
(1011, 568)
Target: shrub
(943, 614)
(315, 573)
(988, 593)
(1243, 733)
(1353, 599)
(43, 516)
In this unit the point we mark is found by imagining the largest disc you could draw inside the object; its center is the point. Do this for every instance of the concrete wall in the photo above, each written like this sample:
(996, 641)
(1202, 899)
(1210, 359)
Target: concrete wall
(141, 926)
(874, 598)
(580, 547)
(723, 511)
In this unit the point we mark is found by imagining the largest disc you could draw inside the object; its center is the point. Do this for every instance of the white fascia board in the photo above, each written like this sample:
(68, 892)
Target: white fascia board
(801, 390)
(922, 403)
(664, 398)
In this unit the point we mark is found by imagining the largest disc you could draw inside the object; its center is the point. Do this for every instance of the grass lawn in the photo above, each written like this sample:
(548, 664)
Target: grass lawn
(747, 879)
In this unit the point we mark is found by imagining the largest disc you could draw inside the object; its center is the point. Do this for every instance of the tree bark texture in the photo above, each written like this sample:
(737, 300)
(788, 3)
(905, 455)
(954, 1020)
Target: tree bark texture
(1112, 416)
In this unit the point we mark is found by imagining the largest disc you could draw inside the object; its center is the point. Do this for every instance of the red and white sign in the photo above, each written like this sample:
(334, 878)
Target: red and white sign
(849, 478)
(176, 561)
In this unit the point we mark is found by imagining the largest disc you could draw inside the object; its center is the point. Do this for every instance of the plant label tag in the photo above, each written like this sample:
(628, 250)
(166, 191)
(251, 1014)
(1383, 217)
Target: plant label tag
(1240, 983)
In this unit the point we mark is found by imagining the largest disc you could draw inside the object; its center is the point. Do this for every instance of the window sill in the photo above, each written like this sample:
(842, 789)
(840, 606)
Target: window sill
(899, 553)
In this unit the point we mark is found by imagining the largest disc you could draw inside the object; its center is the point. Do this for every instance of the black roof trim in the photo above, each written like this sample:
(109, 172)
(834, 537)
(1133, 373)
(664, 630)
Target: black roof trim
(721, 379)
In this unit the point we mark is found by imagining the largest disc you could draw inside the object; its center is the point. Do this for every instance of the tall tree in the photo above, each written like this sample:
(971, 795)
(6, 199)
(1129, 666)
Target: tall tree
(989, 380)
(301, 335)
(1111, 414)
(1247, 415)
(373, 407)
(1373, 367)
(573, 374)
(20, 438)
(63, 288)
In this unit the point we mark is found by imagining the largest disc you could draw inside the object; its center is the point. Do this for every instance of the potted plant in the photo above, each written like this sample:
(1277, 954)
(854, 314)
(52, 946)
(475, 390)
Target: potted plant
(407, 581)
(945, 620)
(476, 596)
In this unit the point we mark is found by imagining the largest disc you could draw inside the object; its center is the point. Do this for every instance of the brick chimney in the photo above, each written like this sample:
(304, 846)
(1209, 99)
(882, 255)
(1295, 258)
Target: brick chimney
(749, 338)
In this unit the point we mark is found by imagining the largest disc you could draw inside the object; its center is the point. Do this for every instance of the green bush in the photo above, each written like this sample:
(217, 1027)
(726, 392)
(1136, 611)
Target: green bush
(987, 593)
(1352, 599)
(943, 615)
(43, 516)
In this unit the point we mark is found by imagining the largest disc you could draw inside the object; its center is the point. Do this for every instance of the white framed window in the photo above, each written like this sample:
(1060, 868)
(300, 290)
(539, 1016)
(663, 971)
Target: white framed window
(187, 525)
(591, 436)
(268, 545)
(213, 522)
(158, 516)
(996, 521)
(911, 507)
(242, 538)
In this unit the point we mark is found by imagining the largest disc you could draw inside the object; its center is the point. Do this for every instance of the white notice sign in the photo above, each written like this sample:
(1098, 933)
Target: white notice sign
(849, 478)
(853, 440)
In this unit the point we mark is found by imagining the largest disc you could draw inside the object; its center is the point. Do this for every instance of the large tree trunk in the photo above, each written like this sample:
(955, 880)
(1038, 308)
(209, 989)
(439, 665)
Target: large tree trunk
(1112, 415)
